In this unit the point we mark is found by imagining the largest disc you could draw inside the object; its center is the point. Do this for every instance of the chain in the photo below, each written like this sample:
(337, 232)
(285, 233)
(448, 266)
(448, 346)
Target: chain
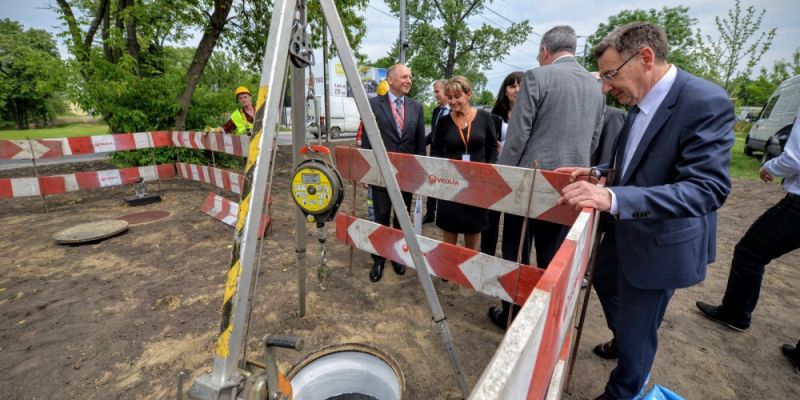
(323, 271)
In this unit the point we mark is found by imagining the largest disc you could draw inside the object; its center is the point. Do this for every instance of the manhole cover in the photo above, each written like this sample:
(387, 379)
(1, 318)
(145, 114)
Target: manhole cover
(146, 216)
(91, 232)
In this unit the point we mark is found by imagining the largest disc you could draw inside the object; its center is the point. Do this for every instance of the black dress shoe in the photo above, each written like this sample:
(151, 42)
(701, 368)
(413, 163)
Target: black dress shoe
(377, 272)
(400, 269)
(717, 314)
(607, 350)
(428, 218)
(602, 397)
(498, 317)
(793, 353)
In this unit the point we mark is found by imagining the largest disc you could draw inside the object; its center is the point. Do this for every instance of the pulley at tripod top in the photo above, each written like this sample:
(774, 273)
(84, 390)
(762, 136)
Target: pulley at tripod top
(317, 186)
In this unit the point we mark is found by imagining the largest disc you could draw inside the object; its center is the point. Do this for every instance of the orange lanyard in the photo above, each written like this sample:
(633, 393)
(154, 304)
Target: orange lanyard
(461, 133)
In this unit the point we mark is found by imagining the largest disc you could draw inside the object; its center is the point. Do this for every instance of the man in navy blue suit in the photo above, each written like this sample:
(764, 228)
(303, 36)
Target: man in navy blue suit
(671, 175)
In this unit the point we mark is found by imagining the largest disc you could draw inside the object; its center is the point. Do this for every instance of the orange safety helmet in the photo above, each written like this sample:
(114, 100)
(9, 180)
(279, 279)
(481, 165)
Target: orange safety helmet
(240, 90)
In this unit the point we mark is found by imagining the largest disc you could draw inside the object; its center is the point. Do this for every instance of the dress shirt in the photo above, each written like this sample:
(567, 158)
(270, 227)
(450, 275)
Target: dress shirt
(787, 164)
(647, 109)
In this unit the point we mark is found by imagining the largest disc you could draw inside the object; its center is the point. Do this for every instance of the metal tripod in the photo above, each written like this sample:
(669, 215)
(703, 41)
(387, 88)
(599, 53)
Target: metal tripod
(225, 379)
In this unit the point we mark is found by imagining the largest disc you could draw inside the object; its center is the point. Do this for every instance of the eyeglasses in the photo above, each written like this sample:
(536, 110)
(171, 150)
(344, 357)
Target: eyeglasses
(610, 75)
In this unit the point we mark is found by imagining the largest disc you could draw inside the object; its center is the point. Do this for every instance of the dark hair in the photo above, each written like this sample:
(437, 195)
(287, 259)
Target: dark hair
(629, 39)
(501, 105)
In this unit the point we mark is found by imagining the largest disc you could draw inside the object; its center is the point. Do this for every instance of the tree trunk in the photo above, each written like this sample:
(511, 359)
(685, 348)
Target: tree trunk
(216, 24)
(133, 43)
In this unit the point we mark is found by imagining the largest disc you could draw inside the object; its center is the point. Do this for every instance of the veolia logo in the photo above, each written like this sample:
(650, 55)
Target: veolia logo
(438, 179)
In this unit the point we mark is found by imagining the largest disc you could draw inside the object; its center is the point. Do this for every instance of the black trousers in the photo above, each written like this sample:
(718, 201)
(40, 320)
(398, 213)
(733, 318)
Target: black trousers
(546, 236)
(383, 211)
(774, 234)
(489, 236)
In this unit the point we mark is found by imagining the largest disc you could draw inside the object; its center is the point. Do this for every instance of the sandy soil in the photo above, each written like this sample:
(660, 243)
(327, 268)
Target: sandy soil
(118, 319)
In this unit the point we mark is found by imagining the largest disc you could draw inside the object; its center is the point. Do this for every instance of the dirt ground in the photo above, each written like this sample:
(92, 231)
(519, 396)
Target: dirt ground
(118, 319)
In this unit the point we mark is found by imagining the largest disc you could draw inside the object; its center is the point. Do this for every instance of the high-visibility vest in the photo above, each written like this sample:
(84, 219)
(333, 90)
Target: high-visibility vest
(240, 120)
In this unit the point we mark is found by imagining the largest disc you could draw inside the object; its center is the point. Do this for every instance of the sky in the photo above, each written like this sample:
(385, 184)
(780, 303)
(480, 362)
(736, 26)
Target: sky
(583, 15)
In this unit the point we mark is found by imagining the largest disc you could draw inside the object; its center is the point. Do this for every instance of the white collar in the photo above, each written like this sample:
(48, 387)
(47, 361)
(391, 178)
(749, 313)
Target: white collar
(652, 100)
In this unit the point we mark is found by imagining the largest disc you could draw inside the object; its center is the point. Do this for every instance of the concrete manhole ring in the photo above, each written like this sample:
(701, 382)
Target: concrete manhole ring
(347, 371)
(91, 231)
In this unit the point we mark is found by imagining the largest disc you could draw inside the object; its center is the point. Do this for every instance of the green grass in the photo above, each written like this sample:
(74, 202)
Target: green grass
(743, 166)
(69, 130)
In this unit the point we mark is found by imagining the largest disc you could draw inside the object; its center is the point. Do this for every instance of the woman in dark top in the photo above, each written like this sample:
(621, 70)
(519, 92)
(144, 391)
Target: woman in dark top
(467, 134)
(506, 98)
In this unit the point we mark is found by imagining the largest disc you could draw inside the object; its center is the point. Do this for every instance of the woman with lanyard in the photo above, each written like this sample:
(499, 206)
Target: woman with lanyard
(468, 135)
(501, 111)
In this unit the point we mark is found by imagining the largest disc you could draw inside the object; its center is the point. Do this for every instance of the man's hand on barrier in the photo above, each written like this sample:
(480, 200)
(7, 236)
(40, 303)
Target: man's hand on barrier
(584, 194)
(209, 129)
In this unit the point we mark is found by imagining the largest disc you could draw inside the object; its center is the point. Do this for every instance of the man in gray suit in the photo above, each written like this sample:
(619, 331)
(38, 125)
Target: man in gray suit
(556, 120)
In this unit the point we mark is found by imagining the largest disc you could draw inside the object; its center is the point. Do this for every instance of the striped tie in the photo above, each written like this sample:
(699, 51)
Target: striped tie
(398, 114)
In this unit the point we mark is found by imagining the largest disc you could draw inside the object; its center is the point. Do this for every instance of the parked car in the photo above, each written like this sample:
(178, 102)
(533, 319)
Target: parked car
(777, 143)
(343, 112)
(780, 110)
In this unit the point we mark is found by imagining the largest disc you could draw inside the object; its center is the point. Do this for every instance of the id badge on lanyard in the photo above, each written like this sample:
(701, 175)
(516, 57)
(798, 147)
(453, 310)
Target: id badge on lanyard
(465, 156)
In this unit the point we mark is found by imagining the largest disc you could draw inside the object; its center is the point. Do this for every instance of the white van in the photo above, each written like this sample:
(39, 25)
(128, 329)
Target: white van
(344, 116)
(780, 111)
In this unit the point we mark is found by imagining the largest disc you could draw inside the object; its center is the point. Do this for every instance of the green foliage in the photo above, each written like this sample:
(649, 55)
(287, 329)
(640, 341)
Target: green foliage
(730, 59)
(31, 75)
(67, 130)
(486, 98)
(443, 45)
(676, 22)
(246, 36)
(756, 92)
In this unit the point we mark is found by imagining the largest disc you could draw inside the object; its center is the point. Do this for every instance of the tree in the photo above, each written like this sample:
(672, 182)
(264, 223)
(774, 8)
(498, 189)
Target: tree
(484, 98)
(676, 22)
(737, 50)
(442, 44)
(130, 65)
(247, 35)
(756, 92)
(31, 75)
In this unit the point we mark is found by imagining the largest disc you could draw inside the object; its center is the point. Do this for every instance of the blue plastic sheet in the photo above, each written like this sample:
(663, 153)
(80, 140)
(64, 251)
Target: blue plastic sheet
(659, 392)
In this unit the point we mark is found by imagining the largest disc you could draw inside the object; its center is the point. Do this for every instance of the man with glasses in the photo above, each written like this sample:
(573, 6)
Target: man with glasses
(671, 175)
(556, 121)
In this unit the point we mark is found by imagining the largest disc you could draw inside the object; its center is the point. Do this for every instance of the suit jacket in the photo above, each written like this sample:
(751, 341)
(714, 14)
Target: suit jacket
(556, 119)
(412, 140)
(613, 119)
(675, 181)
(435, 115)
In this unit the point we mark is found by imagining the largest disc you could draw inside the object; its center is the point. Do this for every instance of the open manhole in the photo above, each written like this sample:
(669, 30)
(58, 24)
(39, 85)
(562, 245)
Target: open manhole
(350, 371)
(143, 217)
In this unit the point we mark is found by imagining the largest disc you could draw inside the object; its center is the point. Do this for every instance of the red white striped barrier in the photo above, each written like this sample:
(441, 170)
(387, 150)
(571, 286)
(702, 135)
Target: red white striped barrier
(226, 211)
(496, 187)
(222, 179)
(530, 362)
(470, 268)
(54, 148)
(219, 142)
(58, 184)
(29, 149)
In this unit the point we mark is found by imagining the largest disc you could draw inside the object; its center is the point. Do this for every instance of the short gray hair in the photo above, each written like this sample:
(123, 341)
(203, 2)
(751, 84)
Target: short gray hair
(629, 39)
(560, 38)
(440, 83)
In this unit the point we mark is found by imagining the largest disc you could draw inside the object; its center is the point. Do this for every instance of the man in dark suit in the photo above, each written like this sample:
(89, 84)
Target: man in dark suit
(556, 120)
(441, 110)
(402, 128)
(671, 175)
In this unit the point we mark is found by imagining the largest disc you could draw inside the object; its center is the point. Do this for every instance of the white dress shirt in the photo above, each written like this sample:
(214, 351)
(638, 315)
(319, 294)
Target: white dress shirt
(647, 109)
(787, 164)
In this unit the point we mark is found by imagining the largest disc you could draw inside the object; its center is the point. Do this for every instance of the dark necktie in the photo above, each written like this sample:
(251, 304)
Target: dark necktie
(622, 142)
